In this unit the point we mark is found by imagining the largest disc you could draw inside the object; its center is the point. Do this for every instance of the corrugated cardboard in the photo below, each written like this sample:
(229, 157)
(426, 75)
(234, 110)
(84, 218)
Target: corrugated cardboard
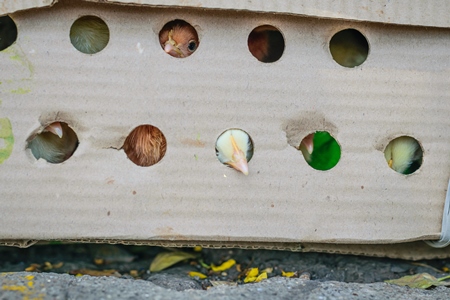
(99, 194)
(405, 12)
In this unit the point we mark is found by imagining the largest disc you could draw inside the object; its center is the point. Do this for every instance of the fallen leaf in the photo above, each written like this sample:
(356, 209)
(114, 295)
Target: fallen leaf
(223, 267)
(203, 264)
(58, 265)
(261, 277)
(33, 268)
(289, 274)
(420, 281)
(197, 274)
(268, 270)
(238, 268)
(164, 260)
(134, 273)
(251, 275)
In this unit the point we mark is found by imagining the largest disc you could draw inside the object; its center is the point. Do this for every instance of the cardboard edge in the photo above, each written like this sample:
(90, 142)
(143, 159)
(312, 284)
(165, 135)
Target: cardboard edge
(9, 7)
(343, 12)
(413, 251)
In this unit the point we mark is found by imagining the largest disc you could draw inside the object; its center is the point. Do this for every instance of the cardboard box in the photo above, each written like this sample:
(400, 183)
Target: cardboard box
(189, 197)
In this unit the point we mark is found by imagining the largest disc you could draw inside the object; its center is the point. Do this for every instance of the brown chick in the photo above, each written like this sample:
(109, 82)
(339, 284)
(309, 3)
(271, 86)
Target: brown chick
(178, 38)
(266, 43)
(145, 145)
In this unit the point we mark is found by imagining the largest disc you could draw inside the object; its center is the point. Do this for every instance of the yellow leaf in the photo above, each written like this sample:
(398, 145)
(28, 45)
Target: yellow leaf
(197, 274)
(287, 274)
(421, 281)
(164, 260)
(223, 267)
(251, 275)
(198, 248)
(261, 276)
(253, 272)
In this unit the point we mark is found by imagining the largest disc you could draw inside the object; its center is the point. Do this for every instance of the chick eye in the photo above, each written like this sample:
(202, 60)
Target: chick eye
(192, 45)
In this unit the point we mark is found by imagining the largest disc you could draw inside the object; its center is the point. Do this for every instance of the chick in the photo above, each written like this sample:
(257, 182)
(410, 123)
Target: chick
(266, 43)
(56, 143)
(320, 150)
(403, 155)
(145, 145)
(235, 149)
(179, 39)
(89, 34)
(349, 48)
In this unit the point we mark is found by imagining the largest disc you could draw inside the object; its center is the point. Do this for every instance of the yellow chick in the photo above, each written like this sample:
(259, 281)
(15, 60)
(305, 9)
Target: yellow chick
(349, 48)
(235, 149)
(89, 34)
(56, 143)
(404, 155)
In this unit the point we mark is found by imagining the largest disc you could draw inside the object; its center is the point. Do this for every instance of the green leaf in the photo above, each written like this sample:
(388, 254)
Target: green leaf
(164, 260)
(420, 281)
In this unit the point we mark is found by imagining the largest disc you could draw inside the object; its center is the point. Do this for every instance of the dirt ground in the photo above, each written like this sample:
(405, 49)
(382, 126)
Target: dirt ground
(133, 262)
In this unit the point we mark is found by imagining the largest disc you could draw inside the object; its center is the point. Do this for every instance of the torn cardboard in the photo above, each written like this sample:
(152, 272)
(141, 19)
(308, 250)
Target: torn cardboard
(100, 195)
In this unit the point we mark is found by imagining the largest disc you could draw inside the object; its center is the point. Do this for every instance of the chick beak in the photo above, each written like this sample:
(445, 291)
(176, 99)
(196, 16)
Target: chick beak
(239, 161)
(171, 47)
(390, 163)
(308, 143)
(55, 128)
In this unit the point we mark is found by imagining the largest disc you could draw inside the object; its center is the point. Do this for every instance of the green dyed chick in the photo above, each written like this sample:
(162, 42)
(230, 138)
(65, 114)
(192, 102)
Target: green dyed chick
(56, 143)
(320, 150)
(89, 34)
(404, 155)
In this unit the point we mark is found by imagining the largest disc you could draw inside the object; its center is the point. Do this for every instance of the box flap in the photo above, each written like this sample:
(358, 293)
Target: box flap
(406, 12)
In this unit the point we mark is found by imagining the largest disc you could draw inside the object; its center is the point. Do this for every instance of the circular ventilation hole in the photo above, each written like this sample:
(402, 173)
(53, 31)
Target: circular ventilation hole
(89, 34)
(55, 143)
(145, 145)
(234, 148)
(404, 155)
(266, 43)
(320, 150)
(179, 38)
(8, 32)
(349, 48)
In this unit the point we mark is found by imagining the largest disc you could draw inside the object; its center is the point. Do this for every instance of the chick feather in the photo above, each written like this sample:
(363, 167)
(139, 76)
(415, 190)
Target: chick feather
(145, 145)
(266, 43)
(89, 34)
(320, 150)
(235, 149)
(179, 39)
(404, 155)
(55, 144)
